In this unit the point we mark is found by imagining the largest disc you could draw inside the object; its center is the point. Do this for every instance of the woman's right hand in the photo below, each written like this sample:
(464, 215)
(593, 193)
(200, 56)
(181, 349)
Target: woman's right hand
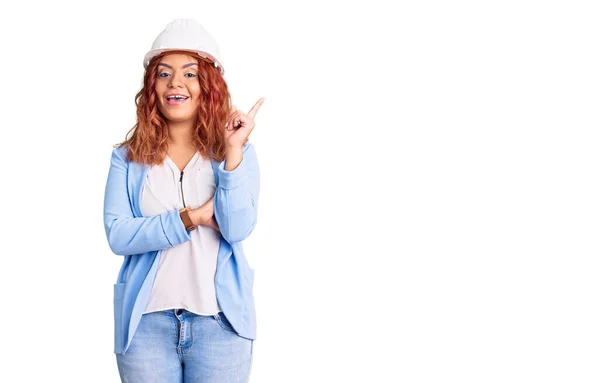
(212, 222)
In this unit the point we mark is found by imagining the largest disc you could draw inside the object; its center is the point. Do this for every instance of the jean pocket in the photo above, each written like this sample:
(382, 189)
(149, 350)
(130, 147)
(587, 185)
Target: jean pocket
(223, 321)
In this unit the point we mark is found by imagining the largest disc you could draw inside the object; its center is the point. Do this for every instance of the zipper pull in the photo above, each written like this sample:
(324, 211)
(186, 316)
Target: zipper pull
(181, 187)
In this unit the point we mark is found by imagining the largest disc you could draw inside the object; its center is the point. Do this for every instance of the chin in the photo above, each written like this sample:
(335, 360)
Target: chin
(177, 117)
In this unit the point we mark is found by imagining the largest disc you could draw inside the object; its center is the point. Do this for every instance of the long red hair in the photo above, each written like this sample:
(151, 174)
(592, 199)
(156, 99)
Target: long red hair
(147, 140)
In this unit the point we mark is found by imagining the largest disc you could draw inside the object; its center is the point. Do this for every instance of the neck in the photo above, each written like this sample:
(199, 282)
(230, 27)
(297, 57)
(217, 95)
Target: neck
(180, 133)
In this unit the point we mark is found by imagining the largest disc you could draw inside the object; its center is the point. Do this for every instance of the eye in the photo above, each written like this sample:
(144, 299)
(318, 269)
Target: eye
(192, 75)
(161, 74)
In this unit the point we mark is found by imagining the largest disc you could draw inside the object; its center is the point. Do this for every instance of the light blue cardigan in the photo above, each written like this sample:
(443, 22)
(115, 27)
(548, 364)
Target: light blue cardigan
(141, 240)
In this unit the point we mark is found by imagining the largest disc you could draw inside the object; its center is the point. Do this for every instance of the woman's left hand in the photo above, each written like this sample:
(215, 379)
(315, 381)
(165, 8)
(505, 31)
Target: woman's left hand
(205, 215)
(237, 137)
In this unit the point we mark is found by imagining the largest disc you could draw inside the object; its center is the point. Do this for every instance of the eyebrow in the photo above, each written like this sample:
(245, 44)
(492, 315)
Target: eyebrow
(183, 67)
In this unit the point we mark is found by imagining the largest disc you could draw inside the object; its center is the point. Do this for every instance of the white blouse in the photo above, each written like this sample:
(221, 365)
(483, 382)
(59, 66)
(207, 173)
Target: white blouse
(186, 272)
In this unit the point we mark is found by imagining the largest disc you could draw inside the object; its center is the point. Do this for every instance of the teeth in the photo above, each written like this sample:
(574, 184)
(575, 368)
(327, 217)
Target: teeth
(177, 97)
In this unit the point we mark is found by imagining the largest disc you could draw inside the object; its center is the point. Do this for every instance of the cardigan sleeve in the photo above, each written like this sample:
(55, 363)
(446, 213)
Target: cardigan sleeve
(236, 197)
(127, 234)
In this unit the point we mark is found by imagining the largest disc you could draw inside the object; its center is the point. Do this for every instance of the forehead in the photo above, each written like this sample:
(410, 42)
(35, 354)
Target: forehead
(178, 59)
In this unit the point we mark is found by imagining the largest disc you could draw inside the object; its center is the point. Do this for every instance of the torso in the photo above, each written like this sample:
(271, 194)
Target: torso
(185, 274)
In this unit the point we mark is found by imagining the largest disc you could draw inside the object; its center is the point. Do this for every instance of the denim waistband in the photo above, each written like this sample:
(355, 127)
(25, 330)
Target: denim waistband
(180, 312)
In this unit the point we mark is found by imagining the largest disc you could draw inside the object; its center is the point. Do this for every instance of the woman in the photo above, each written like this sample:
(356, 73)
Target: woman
(181, 196)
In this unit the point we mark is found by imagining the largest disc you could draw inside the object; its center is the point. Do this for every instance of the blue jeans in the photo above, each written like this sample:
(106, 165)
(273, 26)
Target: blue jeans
(175, 346)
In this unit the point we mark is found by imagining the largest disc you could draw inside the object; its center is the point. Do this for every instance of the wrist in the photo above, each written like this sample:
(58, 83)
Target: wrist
(198, 215)
(233, 157)
(186, 218)
(235, 148)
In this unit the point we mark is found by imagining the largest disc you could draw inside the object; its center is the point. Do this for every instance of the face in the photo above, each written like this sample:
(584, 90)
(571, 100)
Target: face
(177, 74)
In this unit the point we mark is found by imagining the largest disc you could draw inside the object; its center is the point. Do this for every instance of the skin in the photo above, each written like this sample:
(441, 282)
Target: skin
(177, 73)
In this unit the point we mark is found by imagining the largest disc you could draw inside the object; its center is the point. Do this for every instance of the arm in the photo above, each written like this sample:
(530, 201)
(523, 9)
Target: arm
(204, 215)
(236, 197)
(127, 234)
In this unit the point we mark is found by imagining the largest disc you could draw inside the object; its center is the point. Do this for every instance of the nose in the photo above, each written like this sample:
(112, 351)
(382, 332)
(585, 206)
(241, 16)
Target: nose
(175, 82)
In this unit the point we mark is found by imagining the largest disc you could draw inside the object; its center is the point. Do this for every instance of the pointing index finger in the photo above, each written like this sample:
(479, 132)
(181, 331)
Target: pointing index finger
(254, 109)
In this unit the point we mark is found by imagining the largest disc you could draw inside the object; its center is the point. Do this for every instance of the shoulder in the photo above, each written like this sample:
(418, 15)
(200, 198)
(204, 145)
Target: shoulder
(119, 155)
(120, 151)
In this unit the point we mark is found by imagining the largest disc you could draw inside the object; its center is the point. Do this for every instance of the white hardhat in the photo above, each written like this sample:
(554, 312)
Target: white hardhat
(186, 35)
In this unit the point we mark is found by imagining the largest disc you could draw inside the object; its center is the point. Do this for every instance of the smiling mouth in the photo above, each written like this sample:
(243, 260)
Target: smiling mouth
(176, 100)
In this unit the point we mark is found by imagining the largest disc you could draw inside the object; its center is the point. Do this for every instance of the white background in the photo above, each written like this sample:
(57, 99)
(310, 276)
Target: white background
(429, 206)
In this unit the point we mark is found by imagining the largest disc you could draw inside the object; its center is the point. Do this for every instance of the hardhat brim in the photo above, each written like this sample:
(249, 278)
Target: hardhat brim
(155, 52)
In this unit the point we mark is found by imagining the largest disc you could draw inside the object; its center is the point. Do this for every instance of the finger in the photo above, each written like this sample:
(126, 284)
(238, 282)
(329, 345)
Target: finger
(231, 120)
(252, 112)
(246, 123)
(231, 112)
(234, 120)
(234, 126)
